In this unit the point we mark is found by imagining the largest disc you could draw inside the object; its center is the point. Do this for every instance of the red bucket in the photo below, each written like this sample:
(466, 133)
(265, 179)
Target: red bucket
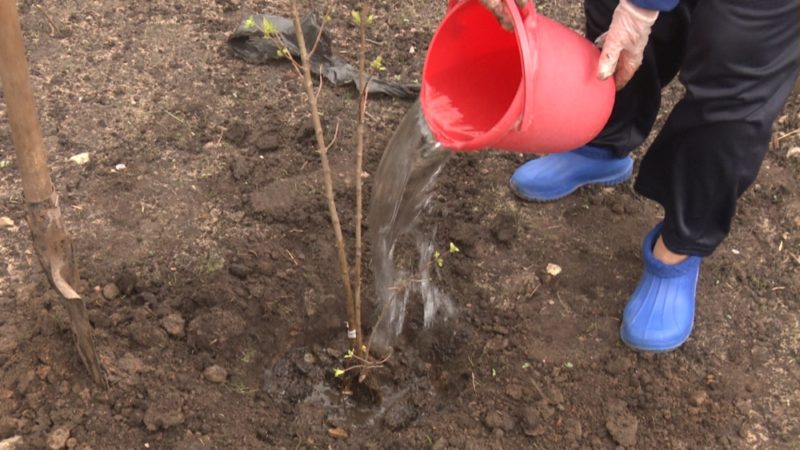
(533, 90)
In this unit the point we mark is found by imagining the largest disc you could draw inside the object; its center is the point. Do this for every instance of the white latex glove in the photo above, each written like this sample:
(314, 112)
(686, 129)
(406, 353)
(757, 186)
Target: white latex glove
(498, 7)
(624, 42)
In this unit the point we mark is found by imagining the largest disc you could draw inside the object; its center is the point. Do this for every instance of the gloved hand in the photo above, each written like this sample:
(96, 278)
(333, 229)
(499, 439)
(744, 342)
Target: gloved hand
(624, 42)
(498, 7)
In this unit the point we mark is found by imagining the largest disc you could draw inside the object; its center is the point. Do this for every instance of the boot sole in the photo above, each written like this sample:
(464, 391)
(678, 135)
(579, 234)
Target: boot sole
(611, 181)
(656, 348)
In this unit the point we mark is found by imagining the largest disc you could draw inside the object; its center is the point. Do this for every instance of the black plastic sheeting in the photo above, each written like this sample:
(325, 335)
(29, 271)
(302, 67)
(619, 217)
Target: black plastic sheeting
(248, 43)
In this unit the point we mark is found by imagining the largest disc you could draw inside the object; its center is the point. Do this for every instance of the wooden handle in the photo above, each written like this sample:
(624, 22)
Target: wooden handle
(25, 131)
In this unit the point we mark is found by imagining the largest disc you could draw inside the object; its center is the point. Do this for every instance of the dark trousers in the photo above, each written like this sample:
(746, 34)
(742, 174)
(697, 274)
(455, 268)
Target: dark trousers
(738, 60)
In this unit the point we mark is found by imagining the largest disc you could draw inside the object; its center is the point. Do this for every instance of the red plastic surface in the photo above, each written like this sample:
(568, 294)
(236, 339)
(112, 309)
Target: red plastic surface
(477, 83)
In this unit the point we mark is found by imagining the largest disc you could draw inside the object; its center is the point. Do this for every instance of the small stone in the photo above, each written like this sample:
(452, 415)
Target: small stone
(239, 271)
(308, 358)
(111, 291)
(6, 222)
(553, 269)
(793, 152)
(337, 433)
(72, 442)
(57, 438)
(174, 324)
(496, 419)
(11, 443)
(80, 159)
(698, 398)
(215, 374)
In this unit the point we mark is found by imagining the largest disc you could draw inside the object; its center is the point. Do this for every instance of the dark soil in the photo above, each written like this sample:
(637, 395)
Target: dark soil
(217, 238)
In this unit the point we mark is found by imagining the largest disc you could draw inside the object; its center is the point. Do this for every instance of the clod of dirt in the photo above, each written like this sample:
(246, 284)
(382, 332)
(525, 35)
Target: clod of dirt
(533, 418)
(240, 168)
(9, 426)
(110, 291)
(267, 141)
(7, 345)
(497, 420)
(57, 439)
(236, 133)
(174, 324)
(573, 430)
(514, 391)
(306, 131)
(193, 441)
(147, 334)
(145, 298)
(130, 364)
(286, 381)
(163, 411)
(239, 271)
(504, 228)
(440, 444)
(215, 374)
(617, 366)
(621, 424)
(698, 398)
(400, 415)
(208, 330)
(126, 282)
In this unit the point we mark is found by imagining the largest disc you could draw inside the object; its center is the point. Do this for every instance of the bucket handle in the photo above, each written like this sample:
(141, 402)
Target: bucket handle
(524, 21)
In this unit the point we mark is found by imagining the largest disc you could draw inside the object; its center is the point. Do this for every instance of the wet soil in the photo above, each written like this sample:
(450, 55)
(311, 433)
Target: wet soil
(225, 319)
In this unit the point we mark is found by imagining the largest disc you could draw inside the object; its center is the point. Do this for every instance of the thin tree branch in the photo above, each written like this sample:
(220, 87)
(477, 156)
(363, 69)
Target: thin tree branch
(344, 268)
(362, 107)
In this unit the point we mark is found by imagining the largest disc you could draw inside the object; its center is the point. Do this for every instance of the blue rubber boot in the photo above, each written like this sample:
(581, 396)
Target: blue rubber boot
(660, 314)
(555, 176)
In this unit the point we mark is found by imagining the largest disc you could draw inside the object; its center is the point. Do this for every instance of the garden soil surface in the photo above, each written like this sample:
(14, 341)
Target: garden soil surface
(208, 265)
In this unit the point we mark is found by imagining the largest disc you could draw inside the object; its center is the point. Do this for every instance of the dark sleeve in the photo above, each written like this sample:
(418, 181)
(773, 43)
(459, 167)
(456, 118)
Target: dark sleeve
(659, 5)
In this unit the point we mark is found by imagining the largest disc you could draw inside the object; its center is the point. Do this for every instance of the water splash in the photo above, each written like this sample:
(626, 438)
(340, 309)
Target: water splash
(403, 189)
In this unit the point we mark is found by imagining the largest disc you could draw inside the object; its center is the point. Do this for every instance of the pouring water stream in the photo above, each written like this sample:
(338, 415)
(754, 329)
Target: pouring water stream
(403, 189)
